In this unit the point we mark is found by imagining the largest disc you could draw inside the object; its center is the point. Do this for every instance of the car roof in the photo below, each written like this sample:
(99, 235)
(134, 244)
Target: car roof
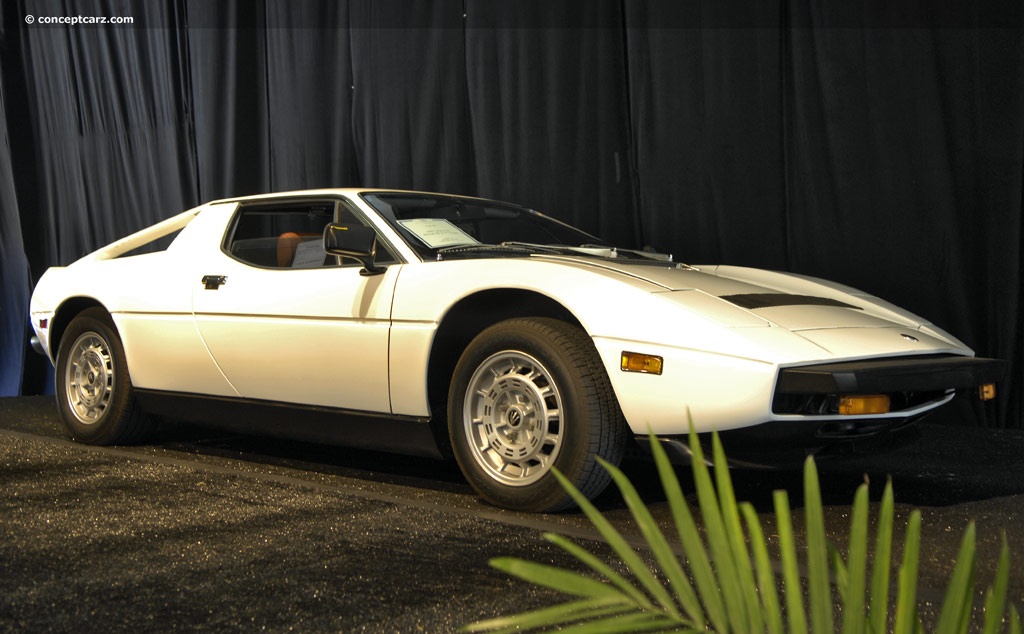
(335, 191)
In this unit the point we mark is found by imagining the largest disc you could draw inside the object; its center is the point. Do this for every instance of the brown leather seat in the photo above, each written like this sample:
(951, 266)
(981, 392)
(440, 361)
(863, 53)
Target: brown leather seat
(287, 242)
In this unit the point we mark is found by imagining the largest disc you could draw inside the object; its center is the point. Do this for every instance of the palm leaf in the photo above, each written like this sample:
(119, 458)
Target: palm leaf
(1015, 626)
(766, 579)
(995, 598)
(689, 537)
(956, 606)
(878, 608)
(840, 574)
(594, 563)
(855, 585)
(719, 544)
(628, 624)
(793, 590)
(560, 579)
(618, 543)
(666, 558)
(906, 610)
(569, 612)
(736, 537)
(820, 586)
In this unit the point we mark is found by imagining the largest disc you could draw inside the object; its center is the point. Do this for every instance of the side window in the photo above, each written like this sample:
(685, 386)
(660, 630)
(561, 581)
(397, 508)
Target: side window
(287, 236)
(290, 235)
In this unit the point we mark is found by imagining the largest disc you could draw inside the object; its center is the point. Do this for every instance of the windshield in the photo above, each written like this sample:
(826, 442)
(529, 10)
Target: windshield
(436, 225)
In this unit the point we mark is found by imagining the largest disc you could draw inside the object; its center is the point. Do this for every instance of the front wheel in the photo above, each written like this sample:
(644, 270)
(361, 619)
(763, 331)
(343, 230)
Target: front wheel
(529, 395)
(94, 392)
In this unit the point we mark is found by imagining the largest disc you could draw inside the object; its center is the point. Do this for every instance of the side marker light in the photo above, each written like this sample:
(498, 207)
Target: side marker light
(861, 404)
(643, 363)
(987, 392)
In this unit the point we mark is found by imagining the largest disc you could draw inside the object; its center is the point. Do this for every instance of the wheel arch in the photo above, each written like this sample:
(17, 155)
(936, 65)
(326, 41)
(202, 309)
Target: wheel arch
(467, 318)
(63, 316)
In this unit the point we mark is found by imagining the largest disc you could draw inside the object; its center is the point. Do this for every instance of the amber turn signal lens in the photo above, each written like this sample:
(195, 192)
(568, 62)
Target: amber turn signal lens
(645, 363)
(987, 392)
(859, 405)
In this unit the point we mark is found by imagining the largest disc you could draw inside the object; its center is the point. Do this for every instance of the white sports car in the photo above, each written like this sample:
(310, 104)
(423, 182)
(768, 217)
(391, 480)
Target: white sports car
(446, 325)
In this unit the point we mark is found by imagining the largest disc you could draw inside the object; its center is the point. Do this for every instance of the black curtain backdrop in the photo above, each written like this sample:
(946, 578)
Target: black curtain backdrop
(15, 281)
(879, 145)
(550, 110)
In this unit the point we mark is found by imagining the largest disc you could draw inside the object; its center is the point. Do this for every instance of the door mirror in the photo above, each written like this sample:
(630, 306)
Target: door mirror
(353, 241)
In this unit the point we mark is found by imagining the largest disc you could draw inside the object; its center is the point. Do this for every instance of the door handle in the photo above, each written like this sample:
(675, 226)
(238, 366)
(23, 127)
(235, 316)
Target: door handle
(213, 282)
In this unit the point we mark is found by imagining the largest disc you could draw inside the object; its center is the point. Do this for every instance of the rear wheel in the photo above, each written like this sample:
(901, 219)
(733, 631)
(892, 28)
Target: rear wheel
(528, 395)
(94, 392)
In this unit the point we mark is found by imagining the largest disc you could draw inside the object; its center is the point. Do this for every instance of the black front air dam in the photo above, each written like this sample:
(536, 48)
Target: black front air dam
(883, 376)
(786, 444)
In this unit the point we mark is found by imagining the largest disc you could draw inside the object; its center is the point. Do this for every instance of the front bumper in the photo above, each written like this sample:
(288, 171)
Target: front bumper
(903, 374)
(805, 397)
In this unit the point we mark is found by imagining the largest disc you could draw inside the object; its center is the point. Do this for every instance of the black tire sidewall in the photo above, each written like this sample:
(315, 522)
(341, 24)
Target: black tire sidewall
(546, 341)
(111, 426)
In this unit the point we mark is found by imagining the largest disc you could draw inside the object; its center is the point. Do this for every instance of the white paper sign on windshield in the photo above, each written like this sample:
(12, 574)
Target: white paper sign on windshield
(437, 232)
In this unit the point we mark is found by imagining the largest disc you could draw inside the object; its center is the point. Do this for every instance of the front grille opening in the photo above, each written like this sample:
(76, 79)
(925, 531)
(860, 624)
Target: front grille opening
(828, 404)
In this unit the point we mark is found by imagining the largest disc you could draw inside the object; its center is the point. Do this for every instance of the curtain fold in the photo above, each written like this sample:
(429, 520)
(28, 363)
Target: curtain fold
(707, 123)
(549, 106)
(111, 139)
(226, 69)
(409, 111)
(15, 280)
(309, 95)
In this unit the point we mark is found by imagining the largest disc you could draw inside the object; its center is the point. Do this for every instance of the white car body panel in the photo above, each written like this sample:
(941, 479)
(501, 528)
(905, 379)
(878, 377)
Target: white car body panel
(334, 338)
(408, 358)
(693, 387)
(741, 371)
(158, 317)
(325, 331)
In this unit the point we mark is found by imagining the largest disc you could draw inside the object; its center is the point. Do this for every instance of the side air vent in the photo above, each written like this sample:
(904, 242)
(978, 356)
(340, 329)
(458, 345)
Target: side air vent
(753, 301)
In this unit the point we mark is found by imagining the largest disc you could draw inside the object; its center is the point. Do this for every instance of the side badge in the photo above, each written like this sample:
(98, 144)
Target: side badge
(910, 338)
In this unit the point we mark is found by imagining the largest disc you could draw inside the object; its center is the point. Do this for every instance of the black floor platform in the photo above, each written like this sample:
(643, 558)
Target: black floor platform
(202, 530)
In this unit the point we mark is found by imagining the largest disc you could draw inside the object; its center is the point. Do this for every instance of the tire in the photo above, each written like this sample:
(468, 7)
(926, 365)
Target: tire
(514, 376)
(94, 391)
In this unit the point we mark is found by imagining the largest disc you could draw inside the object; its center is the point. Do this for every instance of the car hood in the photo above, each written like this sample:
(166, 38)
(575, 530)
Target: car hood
(837, 318)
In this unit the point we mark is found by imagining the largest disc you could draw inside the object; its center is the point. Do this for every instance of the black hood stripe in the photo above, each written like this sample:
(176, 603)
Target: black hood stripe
(753, 301)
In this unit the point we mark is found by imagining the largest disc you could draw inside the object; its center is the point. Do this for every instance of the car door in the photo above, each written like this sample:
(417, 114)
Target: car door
(286, 323)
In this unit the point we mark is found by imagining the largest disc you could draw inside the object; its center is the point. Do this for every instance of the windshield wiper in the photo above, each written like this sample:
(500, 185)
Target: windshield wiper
(507, 248)
(531, 246)
(645, 254)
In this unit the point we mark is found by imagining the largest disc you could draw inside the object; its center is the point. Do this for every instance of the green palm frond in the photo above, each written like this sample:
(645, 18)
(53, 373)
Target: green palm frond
(724, 578)
(705, 580)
